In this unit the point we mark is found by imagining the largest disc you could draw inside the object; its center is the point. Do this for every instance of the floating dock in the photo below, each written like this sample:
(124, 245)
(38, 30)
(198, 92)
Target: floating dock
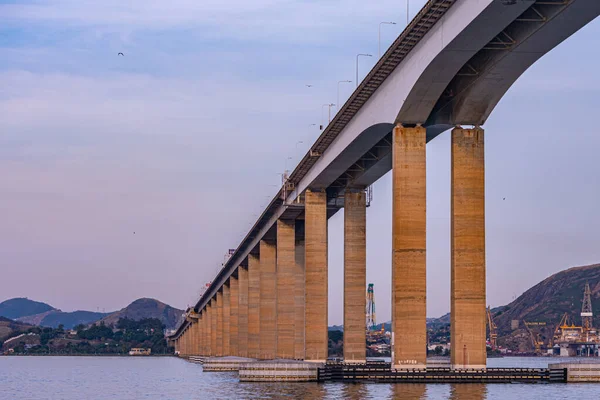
(280, 371)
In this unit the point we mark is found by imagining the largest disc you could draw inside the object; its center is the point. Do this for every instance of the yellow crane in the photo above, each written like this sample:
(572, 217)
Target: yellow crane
(492, 327)
(564, 322)
(535, 338)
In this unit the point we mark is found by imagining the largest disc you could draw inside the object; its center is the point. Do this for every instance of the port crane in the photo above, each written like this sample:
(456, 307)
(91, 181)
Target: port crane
(492, 327)
(536, 338)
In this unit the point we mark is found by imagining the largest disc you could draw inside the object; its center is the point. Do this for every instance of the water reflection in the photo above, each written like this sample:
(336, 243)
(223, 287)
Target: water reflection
(468, 391)
(409, 391)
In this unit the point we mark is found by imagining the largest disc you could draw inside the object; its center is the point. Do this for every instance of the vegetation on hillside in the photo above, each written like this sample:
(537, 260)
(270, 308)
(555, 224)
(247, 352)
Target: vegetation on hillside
(96, 339)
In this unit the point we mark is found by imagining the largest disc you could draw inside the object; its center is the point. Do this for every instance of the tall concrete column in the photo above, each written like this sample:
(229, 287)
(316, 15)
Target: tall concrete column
(316, 301)
(409, 339)
(220, 323)
(226, 319)
(467, 296)
(207, 311)
(199, 335)
(185, 342)
(213, 329)
(286, 269)
(243, 312)
(299, 288)
(194, 337)
(201, 322)
(234, 315)
(253, 306)
(268, 300)
(355, 276)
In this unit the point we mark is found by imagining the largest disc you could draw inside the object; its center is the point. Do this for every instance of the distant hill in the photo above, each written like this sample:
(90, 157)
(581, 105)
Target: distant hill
(72, 319)
(147, 308)
(22, 307)
(549, 300)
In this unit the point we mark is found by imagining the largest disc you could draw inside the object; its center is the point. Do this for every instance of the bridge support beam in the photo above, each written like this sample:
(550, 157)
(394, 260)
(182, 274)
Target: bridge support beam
(220, 323)
(243, 312)
(286, 268)
(202, 338)
(213, 329)
(253, 306)
(233, 315)
(316, 302)
(226, 319)
(268, 301)
(299, 289)
(467, 307)
(195, 337)
(208, 330)
(409, 343)
(355, 276)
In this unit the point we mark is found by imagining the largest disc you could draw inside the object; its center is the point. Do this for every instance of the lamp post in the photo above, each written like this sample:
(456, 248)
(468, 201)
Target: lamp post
(358, 55)
(338, 93)
(379, 42)
(407, 12)
(326, 105)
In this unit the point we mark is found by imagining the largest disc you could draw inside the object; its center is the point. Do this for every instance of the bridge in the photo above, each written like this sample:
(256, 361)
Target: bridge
(447, 70)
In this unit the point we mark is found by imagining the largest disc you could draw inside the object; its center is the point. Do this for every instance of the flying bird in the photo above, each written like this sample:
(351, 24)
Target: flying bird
(121, 54)
(309, 85)
(504, 198)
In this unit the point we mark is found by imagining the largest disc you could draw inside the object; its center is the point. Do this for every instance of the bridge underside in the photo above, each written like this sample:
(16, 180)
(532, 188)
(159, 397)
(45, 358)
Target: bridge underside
(449, 69)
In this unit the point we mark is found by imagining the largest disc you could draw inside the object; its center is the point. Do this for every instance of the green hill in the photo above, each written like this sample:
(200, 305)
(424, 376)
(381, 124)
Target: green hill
(71, 319)
(147, 308)
(551, 298)
(22, 307)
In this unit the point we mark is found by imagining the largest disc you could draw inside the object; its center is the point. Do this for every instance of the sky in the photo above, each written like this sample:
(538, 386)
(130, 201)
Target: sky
(130, 176)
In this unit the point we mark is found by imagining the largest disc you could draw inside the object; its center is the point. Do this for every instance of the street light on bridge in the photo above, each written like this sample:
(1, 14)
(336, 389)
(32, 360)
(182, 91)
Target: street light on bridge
(379, 42)
(358, 55)
(338, 93)
(325, 105)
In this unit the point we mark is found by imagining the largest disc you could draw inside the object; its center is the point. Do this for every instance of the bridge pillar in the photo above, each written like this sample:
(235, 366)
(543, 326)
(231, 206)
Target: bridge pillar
(201, 333)
(268, 300)
(226, 318)
(253, 306)
(220, 323)
(355, 279)
(213, 328)
(234, 315)
(467, 307)
(242, 312)
(299, 289)
(316, 302)
(409, 342)
(208, 330)
(286, 269)
(194, 337)
(185, 342)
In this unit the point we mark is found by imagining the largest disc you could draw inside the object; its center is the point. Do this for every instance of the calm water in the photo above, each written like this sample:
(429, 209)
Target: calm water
(32, 378)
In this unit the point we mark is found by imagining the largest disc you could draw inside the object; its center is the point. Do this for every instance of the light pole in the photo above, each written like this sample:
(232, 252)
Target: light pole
(407, 12)
(326, 105)
(358, 55)
(382, 23)
(338, 93)
(286, 169)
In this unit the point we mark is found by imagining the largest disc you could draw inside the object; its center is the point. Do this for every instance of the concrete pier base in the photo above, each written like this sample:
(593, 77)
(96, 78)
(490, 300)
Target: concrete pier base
(578, 372)
(279, 371)
(222, 364)
(196, 359)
